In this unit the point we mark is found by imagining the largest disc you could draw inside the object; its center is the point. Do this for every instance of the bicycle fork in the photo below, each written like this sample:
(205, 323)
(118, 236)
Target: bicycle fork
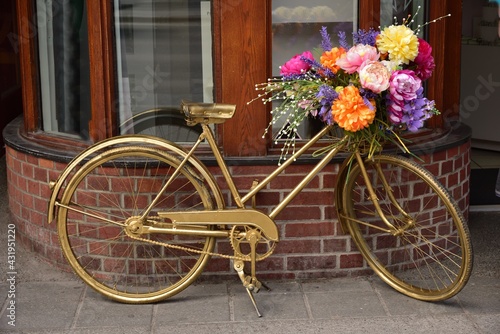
(374, 199)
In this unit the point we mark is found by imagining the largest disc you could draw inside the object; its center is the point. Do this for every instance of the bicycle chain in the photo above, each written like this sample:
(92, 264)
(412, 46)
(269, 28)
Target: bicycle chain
(197, 251)
(183, 248)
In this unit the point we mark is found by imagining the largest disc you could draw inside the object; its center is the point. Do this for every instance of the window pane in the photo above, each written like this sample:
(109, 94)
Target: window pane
(163, 57)
(64, 66)
(296, 26)
(398, 10)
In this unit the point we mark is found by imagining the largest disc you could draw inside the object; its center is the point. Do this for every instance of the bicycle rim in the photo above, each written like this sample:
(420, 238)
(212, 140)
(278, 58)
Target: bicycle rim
(117, 185)
(430, 258)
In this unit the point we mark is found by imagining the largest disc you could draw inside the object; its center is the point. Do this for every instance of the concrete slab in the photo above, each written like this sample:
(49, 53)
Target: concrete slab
(45, 305)
(98, 311)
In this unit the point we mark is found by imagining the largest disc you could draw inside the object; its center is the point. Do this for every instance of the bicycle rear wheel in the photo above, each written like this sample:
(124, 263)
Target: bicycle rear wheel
(430, 256)
(102, 197)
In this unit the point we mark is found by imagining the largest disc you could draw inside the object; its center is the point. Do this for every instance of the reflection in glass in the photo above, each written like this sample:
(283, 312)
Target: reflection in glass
(63, 58)
(397, 10)
(163, 56)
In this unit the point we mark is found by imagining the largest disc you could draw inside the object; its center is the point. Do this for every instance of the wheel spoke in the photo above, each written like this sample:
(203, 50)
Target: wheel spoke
(428, 256)
(103, 200)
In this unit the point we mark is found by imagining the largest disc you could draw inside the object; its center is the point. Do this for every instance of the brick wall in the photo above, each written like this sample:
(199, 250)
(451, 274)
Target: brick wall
(312, 244)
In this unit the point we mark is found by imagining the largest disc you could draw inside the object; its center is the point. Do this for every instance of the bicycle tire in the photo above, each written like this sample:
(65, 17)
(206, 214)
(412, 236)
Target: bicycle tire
(118, 184)
(431, 259)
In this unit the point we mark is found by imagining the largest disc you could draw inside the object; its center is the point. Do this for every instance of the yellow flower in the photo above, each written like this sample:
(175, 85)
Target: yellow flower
(399, 42)
(350, 111)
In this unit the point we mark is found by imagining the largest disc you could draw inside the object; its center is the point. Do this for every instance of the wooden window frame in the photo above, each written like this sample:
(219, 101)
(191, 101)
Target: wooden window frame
(242, 57)
(245, 35)
(102, 72)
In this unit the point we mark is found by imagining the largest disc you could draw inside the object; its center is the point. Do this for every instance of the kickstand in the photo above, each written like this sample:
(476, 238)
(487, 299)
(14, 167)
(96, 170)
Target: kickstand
(251, 284)
(250, 294)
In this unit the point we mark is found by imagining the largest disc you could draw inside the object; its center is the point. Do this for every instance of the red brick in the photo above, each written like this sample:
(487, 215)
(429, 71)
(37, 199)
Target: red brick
(452, 180)
(298, 246)
(217, 264)
(351, 261)
(329, 181)
(290, 181)
(447, 167)
(267, 198)
(311, 262)
(46, 164)
(27, 170)
(272, 263)
(33, 187)
(439, 156)
(300, 213)
(313, 198)
(458, 163)
(433, 169)
(252, 170)
(38, 218)
(294, 230)
(336, 245)
(41, 175)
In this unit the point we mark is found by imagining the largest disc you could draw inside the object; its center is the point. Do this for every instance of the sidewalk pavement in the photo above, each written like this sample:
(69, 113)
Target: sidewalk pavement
(48, 300)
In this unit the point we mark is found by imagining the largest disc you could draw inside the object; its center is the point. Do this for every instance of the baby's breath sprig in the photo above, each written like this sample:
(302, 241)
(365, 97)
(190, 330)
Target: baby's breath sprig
(295, 100)
(411, 19)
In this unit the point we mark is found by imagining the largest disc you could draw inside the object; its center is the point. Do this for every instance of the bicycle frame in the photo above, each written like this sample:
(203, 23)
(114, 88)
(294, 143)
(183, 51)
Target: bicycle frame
(253, 217)
(201, 217)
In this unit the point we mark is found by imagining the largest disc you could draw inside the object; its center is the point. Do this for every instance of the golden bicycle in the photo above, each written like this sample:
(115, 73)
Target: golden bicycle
(138, 216)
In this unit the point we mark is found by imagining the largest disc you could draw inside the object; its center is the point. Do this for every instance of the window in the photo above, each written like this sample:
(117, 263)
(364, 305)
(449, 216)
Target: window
(296, 28)
(400, 9)
(88, 67)
(163, 56)
(63, 56)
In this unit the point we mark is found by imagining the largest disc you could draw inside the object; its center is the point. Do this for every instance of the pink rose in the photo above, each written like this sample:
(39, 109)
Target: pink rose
(404, 85)
(296, 65)
(374, 76)
(356, 56)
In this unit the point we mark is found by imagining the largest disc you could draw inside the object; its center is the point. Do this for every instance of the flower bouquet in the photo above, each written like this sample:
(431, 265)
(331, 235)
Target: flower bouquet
(373, 90)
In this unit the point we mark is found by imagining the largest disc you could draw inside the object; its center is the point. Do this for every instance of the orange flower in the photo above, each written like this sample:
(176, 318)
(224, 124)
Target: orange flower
(350, 111)
(329, 58)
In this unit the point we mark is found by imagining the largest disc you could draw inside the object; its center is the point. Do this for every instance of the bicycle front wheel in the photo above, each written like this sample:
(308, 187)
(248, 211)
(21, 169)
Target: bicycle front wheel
(101, 199)
(428, 254)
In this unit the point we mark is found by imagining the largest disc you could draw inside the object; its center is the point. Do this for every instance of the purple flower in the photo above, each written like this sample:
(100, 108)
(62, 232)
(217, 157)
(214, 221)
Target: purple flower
(326, 43)
(365, 37)
(326, 95)
(343, 40)
(416, 111)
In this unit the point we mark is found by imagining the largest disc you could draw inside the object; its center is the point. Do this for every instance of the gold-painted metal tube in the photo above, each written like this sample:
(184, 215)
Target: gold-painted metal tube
(287, 163)
(222, 165)
(173, 176)
(303, 183)
(371, 191)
